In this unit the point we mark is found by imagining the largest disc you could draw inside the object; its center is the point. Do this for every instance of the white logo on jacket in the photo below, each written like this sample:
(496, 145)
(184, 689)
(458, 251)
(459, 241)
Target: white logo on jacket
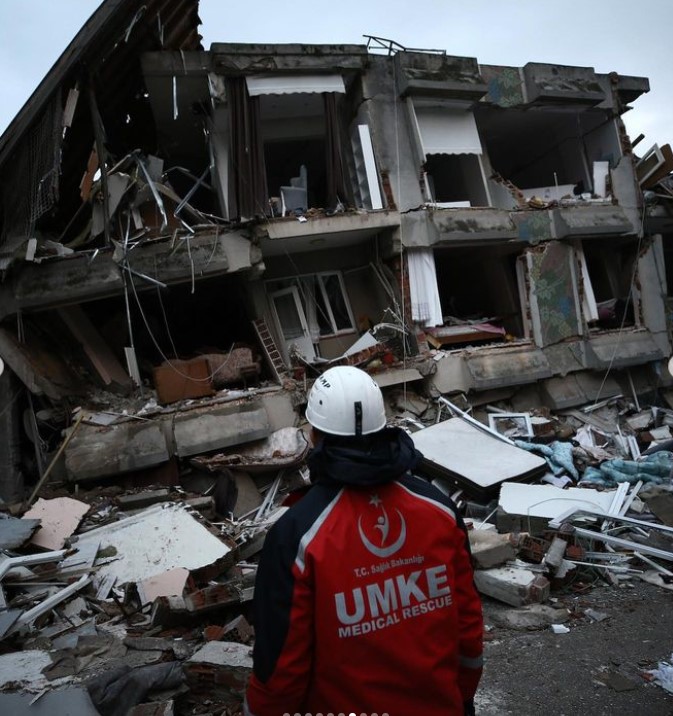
(381, 604)
(382, 524)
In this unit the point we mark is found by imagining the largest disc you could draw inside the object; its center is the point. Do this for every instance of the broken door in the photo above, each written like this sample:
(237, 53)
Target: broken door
(292, 322)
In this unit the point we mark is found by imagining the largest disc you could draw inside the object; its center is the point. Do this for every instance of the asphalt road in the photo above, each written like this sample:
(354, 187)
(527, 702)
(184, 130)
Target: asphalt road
(529, 673)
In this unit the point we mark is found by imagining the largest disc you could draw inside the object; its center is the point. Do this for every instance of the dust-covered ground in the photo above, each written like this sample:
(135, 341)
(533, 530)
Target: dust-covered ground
(529, 673)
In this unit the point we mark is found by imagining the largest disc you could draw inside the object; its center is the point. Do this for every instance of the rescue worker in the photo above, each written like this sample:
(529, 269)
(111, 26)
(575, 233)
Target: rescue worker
(364, 599)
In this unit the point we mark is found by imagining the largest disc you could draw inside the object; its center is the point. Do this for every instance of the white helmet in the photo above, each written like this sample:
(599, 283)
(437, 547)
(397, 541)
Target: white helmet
(346, 401)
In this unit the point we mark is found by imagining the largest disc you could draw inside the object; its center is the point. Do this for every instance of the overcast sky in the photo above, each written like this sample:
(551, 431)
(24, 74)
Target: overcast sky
(632, 38)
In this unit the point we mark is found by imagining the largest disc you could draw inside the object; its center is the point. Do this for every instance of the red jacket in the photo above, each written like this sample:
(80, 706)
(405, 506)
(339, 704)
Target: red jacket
(365, 602)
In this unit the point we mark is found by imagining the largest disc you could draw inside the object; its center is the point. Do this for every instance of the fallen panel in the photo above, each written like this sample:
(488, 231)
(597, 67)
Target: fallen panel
(472, 457)
(15, 532)
(99, 452)
(549, 502)
(60, 518)
(74, 701)
(220, 427)
(153, 541)
(24, 668)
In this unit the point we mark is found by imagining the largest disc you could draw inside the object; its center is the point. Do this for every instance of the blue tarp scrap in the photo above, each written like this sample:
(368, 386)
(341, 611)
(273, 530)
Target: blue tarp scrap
(652, 469)
(559, 456)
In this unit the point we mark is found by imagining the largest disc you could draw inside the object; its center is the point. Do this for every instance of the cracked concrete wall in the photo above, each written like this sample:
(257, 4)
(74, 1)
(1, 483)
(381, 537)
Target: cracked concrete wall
(627, 193)
(651, 287)
(388, 122)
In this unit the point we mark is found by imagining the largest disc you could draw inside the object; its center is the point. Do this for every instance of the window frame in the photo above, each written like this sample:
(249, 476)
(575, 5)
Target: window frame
(296, 282)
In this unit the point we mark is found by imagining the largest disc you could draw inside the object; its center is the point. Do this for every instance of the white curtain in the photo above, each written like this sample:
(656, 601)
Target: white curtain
(425, 305)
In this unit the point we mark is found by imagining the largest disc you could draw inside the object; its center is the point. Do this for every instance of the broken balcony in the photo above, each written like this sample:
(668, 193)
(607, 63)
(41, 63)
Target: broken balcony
(555, 155)
(478, 296)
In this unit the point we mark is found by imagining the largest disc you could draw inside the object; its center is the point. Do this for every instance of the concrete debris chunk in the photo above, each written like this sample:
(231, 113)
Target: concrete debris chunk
(220, 669)
(238, 630)
(516, 586)
(595, 615)
(616, 680)
(490, 549)
(138, 500)
(59, 519)
(530, 617)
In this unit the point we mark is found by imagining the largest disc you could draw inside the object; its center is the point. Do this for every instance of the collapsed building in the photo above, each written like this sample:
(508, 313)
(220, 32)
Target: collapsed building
(189, 236)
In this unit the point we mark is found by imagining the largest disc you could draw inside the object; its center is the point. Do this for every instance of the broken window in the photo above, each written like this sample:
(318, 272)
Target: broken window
(310, 308)
(480, 288)
(449, 144)
(285, 144)
(611, 267)
(551, 153)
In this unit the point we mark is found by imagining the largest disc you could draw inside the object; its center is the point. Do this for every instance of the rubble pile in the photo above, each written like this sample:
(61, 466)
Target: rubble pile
(137, 600)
